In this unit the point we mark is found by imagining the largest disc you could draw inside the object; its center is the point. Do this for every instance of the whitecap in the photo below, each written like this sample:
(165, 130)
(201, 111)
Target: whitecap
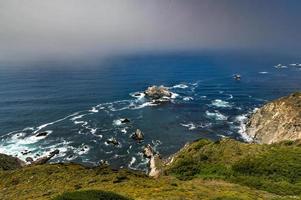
(216, 115)
(146, 104)
(181, 86)
(76, 117)
(130, 165)
(94, 110)
(188, 98)
(263, 72)
(190, 126)
(220, 103)
(138, 95)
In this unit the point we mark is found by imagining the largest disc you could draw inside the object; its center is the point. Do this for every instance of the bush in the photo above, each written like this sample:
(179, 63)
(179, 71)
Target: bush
(90, 195)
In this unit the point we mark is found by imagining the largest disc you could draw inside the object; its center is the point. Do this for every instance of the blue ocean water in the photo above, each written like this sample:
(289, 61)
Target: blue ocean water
(80, 106)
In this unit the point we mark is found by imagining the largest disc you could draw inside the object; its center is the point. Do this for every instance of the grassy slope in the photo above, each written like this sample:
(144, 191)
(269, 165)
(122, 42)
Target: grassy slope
(206, 167)
(274, 168)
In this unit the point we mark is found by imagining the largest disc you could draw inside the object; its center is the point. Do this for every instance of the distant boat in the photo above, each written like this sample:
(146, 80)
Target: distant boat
(237, 76)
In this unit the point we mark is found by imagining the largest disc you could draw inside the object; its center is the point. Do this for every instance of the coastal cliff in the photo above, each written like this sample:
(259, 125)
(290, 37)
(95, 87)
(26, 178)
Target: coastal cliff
(277, 120)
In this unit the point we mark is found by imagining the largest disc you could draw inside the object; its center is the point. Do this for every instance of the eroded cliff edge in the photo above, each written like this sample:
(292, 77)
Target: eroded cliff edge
(277, 120)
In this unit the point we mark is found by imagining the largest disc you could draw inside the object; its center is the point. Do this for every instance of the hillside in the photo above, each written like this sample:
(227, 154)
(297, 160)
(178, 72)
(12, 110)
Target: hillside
(226, 169)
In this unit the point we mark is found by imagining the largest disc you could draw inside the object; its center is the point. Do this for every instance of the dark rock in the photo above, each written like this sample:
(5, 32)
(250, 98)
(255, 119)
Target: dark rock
(126, 120)
(25, 152)
(29, 159)
(41, 134)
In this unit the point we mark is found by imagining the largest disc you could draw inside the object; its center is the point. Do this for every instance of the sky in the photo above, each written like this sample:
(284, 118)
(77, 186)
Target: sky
(33, 30)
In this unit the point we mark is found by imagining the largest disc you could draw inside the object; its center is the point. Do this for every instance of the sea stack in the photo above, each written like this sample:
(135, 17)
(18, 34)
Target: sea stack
(158, 93)
(277, 121)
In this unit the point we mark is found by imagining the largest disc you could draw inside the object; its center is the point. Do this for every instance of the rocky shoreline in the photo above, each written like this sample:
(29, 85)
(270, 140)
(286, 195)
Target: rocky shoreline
(276, 121)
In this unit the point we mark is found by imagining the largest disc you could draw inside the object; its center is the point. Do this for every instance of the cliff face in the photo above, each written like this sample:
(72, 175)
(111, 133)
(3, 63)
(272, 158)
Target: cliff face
(277, 121)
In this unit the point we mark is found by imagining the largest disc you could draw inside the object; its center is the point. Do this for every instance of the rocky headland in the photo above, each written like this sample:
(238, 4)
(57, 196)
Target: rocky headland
(277, 120)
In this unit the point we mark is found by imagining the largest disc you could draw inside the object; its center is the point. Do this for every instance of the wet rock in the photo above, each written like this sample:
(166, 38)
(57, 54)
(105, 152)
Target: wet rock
(125, 120)
(25, 152)
(148, 151)
(112, 141)
(41, 134)
(138, 135)
(103, 162)
(157, 92)
(29, 159)
(45, 159)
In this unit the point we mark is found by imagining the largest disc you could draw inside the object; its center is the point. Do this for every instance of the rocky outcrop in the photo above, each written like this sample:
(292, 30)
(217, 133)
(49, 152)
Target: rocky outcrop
(45, 159)
(277, 121)
(155, 162)
(138, 135)
(158, 93)
(9, 162)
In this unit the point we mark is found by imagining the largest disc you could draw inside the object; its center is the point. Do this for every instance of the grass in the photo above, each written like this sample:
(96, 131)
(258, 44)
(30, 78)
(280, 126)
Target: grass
(50, 180)
(90, 195)
(274, 168)
(227, 169)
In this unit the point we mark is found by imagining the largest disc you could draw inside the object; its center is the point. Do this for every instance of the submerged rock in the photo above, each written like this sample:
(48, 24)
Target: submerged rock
(138, 135)
(277, 120)
(158, 92)
(112, 141)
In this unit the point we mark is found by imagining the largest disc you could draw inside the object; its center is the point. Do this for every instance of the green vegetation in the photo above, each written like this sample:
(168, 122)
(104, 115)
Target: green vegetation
(8, 162)
(274, 168)
(90, 195)
(223, 170)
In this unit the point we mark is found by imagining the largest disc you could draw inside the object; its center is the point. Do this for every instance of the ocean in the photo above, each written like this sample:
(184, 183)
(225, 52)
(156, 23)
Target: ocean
(80, 106)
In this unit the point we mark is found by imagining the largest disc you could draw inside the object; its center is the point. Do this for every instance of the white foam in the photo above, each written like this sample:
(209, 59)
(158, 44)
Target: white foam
(181, 86)
(220, 103)
(130, 165)
(146, 104)
(174, 95)
(263, 72)
(242, 119)
(93, 130)
(188, 98)
(216, 115)
(94, 110)
(138, 95)
(124, 131)
(50, 123)
(190, 126)
(76, 117)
